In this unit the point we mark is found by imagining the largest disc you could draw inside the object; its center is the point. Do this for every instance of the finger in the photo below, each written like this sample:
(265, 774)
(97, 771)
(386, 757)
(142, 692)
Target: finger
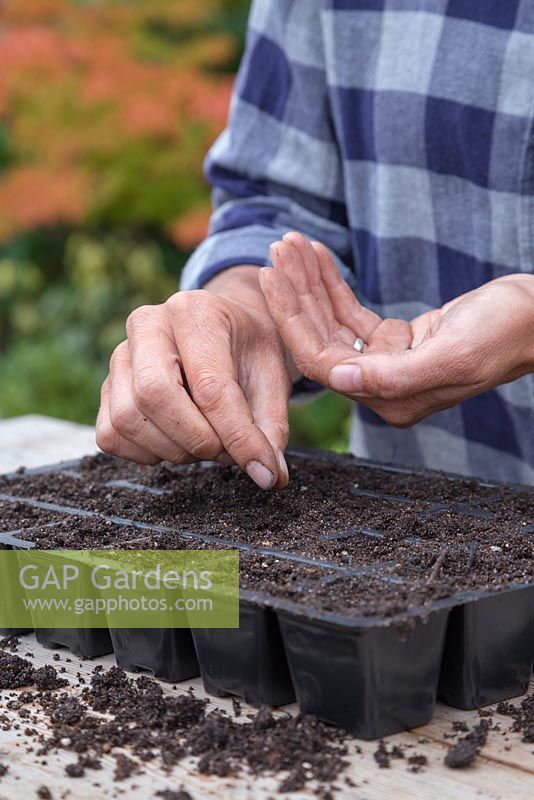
(300, 335)
(269, 391)
(313, 272)
(109, 441)
(391, 336)
(287, 258)
(158, 384)
(212, 378)
(401, 375)
(129, 422)
(309, 258)
(347, 308)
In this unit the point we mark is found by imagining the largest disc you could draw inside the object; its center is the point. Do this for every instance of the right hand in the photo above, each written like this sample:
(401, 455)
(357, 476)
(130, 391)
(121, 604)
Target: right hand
(201, 377)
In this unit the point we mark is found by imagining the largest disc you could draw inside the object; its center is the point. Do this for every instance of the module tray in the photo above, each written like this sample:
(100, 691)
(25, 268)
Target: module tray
(373, 674)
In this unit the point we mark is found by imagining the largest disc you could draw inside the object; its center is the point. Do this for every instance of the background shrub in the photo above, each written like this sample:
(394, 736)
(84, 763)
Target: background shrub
(107, 108)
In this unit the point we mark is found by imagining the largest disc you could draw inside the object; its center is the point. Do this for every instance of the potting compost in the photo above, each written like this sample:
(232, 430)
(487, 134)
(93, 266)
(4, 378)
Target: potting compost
(367, 591)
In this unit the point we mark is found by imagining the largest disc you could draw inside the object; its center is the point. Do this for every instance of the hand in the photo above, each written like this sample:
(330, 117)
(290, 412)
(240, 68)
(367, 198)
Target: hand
(201, 377)
(474, 343)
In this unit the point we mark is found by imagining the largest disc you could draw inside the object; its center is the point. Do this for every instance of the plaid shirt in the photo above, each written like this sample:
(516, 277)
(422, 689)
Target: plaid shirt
(399, 133)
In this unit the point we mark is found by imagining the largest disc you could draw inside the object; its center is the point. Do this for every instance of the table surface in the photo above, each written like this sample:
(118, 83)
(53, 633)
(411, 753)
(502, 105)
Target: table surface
(504, 771)
(33, 440)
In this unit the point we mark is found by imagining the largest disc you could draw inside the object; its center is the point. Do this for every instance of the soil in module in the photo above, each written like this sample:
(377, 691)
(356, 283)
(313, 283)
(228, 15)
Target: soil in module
(320, 501)
(417, 573)
(223, 501)
(80, 533)
(494, 562)
(17, 515)
(420, 575)
(513, 506)
(435, 487)
(319, 516)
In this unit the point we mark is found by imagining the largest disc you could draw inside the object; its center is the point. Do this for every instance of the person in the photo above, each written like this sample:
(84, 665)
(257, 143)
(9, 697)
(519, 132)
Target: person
(387, 150)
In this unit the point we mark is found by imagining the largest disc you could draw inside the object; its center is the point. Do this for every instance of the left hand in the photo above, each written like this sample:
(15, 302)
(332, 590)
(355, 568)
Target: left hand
(408, 370)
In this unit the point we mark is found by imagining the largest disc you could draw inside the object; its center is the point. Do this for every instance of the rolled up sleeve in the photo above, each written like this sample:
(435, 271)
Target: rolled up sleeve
(276, 167)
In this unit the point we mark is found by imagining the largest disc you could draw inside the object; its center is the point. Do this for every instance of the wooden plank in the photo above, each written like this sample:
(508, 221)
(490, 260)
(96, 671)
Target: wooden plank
(502, 746)
(497, 775)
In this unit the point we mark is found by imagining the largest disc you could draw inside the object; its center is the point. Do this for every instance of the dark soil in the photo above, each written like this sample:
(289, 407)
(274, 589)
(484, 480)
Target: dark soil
(224, 502)
(436, 488)
(75, 770)
(395, 575)
(115, 712)
(509, 504)
(170, 794)
(522, 715)
(80, 533)
(17, 672)
(10, 643)
(491, 562)
(16, 516)
(417, 762)
(139, 716)
(363, 596)
(321, 498)
(414, 552)
(465, 751)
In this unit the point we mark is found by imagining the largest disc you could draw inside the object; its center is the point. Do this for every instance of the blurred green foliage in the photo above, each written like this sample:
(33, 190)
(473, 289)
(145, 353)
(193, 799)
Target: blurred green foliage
(106, 110)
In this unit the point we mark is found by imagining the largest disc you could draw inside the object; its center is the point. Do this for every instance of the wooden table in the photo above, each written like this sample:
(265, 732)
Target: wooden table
(33, 440)
(504, 771)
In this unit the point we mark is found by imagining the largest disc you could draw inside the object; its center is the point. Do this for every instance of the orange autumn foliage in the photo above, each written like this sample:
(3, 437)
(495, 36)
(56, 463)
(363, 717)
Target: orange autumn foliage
(191, 228)
(31, 197)
(108, 109)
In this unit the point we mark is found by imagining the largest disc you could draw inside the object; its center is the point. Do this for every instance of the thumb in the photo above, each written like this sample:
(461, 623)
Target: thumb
(391, 376)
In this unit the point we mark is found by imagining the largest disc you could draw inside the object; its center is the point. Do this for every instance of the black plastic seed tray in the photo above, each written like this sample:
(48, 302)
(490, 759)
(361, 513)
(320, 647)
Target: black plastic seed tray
(249, 661)
(82, 642)
(8, 538)
(373, 675)
(168, 654)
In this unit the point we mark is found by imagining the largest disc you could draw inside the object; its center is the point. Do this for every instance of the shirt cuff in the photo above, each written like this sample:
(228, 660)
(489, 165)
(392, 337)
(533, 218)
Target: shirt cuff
(227, 249)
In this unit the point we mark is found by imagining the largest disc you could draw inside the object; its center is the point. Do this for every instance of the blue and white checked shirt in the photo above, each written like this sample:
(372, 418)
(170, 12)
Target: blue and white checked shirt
(399, 133)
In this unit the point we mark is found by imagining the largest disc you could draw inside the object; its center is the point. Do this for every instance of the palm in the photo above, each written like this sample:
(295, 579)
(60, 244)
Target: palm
(318, 314)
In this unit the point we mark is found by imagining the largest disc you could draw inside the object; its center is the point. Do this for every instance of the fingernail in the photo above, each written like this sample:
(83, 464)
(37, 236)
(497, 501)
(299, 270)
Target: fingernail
(262, 476)
(347, 378)
(282, 464)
